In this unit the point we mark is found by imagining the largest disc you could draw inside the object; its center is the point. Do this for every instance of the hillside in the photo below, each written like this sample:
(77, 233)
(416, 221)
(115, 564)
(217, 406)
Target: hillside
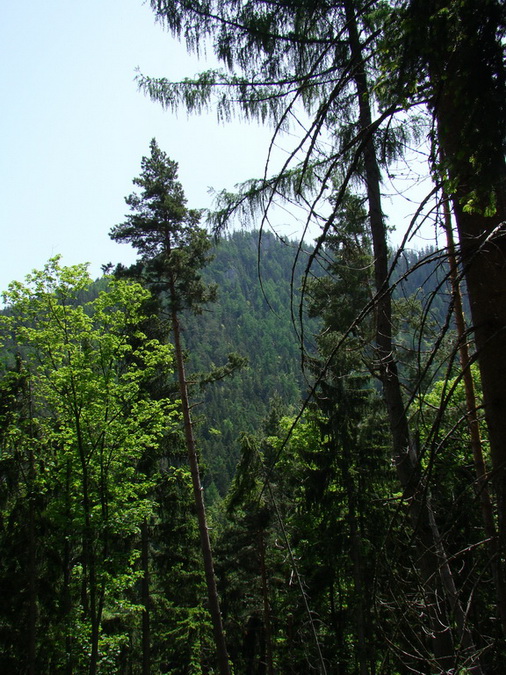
(252, 317)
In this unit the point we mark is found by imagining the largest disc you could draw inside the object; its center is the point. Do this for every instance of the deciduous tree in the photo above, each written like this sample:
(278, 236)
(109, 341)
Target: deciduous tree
(75, 443)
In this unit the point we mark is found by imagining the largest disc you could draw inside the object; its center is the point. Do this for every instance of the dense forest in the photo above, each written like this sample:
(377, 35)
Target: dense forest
(256, 315)
(252, 316)
(244, 454)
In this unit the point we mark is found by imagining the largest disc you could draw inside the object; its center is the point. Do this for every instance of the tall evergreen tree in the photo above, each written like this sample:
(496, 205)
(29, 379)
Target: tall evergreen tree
(325, 57)
(173, 249)
(452, 55)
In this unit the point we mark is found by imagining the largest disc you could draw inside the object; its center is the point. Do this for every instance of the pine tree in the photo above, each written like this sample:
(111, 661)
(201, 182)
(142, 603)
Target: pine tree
(173, 249)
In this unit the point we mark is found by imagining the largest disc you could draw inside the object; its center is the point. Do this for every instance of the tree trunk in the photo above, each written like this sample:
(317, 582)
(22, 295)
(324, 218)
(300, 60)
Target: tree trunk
(145, 599)
(198, 494)
(436, 573)
(467, 77)
(483, 245)
(482, 483)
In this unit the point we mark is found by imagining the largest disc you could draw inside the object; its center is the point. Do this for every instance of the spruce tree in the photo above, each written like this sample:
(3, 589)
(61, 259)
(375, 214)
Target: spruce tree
(173, 249)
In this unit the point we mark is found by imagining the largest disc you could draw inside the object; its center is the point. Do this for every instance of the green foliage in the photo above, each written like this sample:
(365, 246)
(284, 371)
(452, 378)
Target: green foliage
(72, 444)
(166, 234)
(253, 315)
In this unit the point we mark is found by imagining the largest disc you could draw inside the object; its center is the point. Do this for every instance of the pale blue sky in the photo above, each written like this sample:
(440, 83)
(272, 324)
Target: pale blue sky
(74, 129)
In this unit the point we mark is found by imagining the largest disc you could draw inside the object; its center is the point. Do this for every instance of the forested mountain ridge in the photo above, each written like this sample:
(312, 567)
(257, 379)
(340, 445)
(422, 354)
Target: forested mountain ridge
(253, 317)
(256, 314)
(332, 475)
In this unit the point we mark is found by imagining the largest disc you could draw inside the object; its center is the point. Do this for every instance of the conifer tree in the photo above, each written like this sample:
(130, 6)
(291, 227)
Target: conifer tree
(174, 248)
(451, 55)
(332, 60)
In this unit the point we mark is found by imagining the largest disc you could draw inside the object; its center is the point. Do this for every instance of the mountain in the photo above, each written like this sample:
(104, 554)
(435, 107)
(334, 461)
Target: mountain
(256, 315)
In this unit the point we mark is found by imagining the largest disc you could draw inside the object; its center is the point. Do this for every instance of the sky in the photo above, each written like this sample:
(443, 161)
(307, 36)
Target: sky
(75, 127)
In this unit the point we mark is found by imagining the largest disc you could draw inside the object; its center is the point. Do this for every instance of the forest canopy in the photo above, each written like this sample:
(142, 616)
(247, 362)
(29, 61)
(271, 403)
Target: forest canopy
(355, 464)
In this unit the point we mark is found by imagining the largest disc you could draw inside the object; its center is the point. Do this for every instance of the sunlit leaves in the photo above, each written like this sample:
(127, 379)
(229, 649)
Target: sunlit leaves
(77, 430)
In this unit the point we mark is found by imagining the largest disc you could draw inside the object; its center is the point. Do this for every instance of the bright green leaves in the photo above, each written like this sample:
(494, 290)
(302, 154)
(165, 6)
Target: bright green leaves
(80, 421)
(87, 362)
(444, 421)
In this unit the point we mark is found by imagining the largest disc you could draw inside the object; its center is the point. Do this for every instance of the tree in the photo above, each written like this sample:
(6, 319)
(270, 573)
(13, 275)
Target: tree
(173, 249)
(81, 424)
(331, 59)
(452, 56)
(473, 424)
